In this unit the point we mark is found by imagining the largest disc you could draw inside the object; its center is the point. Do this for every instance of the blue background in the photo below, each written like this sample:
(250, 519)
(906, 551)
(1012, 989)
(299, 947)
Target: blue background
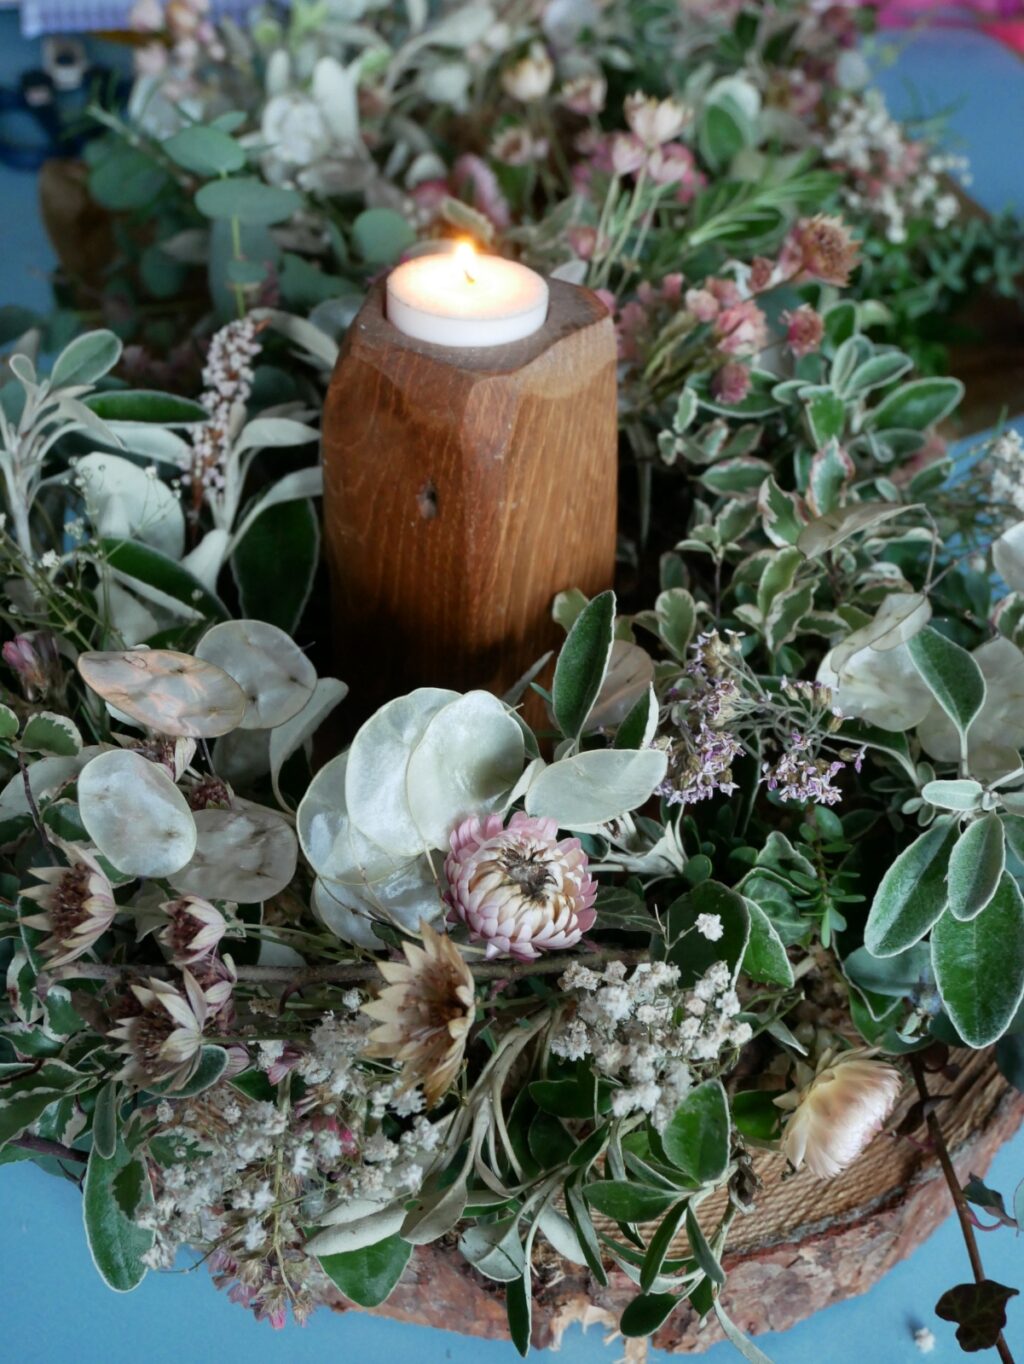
(55, 1306)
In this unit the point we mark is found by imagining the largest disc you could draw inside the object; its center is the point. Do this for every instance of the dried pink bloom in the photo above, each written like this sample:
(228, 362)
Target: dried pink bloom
(655, 121)
(628, 154)
(797, 776)
(836, 1110)
(521, 890)
(702, 303)
(820, 248)
(518, 147)
(34, 657)
(741, 329)
(804, 330)
(473, 180)
(194, 928)
(164, 1040)
(76, 904)
(583, 240)
(671, 165)
(762, 272)
(731, 383)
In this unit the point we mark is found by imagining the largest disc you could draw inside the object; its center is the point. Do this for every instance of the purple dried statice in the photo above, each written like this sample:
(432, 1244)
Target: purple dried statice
(797, 776)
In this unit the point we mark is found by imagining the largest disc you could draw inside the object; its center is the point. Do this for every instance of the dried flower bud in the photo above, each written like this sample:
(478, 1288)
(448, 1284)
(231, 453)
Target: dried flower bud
(804, 330)
(35, 659)
(655, 121)
(835, 1112)
(529, 79)
(820, 248)
(585, 95)
(731, 384)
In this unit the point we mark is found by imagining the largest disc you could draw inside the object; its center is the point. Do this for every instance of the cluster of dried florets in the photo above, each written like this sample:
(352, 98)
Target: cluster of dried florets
(228, 376)
(646, 1034)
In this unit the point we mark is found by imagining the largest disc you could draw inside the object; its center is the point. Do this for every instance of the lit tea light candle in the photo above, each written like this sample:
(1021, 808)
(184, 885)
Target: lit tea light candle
(460, 298)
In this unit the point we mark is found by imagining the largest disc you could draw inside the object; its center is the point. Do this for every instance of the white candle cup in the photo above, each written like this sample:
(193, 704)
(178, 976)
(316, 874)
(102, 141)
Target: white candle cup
(462, 299)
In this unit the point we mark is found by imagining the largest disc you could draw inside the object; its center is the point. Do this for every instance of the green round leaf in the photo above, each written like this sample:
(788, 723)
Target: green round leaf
(249, 200)
(205, 150)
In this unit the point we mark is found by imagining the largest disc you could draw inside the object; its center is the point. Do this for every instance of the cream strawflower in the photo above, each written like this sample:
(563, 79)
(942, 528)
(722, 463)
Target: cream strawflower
(521, 889)
(163, 1042)
(836, 1110)
(194, 928)
(424, 1013)
(76, 903)
(655, 121)
(529, 79)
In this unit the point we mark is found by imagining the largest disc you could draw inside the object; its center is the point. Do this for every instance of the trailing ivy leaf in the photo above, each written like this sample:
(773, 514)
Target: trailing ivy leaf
(765, 958)
(694, 953)
(979, 1310)
(917, 405)
(582, 664)
(976, 867)
(697, 1136)
(646, 1313)
(367, 1276)
(979, 965)
(624, 1201)
(952, 675)
(912, 893)
(116, 1242)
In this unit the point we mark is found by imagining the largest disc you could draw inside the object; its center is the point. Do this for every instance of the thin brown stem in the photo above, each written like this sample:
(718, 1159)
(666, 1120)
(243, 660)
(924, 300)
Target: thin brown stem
(55, 1149)
(956, 1190)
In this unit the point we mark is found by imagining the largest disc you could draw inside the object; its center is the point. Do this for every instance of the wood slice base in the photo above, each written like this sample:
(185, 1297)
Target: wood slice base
(807, 1245)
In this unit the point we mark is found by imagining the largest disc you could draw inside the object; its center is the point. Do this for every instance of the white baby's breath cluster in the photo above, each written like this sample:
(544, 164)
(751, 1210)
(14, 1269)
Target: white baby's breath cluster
(1003, 466)
(647, 1034)
(889, 176)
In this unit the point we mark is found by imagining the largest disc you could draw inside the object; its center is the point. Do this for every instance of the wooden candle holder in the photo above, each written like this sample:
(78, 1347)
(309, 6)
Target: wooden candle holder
(463, 489)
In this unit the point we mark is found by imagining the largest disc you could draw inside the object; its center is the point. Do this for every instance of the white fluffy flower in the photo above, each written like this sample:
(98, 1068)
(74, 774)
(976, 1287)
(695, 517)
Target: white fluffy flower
(710, 926)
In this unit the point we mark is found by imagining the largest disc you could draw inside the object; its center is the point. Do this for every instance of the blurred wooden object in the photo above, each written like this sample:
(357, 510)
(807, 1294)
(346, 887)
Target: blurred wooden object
(80, 231)
(807, 1245)
(463, 489)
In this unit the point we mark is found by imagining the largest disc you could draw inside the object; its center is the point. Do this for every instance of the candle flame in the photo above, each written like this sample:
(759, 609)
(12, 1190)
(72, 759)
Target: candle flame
(465, 258)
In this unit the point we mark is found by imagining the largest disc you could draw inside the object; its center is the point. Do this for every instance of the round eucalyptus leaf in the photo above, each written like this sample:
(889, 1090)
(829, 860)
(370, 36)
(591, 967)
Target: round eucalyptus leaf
(247, 855)
(276, 676)
(375, 789)
(135, 815)
(469, 758)
(403, 901)
(336, 849)
(592, 788)
(997, 732)
(169, 692)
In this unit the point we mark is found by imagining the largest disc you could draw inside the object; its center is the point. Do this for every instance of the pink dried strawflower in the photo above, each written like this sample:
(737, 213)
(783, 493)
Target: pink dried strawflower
(585, 95)
(76, 904)
(36, 660)
(762, 273)
(741, 329)
(804, 330)
(521, 890)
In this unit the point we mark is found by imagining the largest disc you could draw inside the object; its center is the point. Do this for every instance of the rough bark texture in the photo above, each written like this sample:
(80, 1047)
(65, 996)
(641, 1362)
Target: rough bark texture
(806, 1246)
(463, 489)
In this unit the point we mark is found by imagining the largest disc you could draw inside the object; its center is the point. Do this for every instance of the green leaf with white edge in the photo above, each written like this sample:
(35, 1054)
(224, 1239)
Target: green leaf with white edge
(105, 1119)
(1013, 829)
(676, 612)
(116, 1242)
(161, 574)
(780, 570)
(697, 1136)
(85, 360)
(582, 664)
(827, 532)
(381, 235)
(765, 958)
(783, 515)
(894, 977)
(8, 723)
(782, 622)
(53, 736)
(952, 676)
(702, 1252)
(976, 867)
(269, 432)
(145, 406)
(979, 965)
(494, 1249)
(297, 486)
(591, 788)
(205, 150)
(737, 1339)
(826, 417)
(831, 472)
(212, 1065)
(876, 371)
(646, 1312)
(249, 200)
(624, 1201)
(638, 728)
(917, 405)
(368, 1276)
(659, 1246)
(688, 948)
(912, 894)
(961, 793)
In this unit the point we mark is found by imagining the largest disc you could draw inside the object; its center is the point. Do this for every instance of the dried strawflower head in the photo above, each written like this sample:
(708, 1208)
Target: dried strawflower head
(164, 1040)
(521, 889)
(820, 248)
(805, 330)
(424, 1013)
(585, 95)
(655, 121)
(836, 1110)
(517, 146)
(76, 904)
(529, 79)
(36, 660)
(194, 928)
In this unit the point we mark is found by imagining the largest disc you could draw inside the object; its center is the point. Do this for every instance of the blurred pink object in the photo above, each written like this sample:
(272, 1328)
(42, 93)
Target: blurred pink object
(1002, 20)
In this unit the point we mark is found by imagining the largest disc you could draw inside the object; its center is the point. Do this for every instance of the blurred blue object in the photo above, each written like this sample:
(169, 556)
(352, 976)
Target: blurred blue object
(94, 16)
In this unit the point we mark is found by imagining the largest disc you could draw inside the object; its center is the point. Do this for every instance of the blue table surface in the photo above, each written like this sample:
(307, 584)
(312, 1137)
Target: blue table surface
(55, 1306)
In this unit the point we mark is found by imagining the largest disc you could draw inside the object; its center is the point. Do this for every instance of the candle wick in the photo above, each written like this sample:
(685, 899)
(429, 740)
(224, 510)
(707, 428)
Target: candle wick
(470, 278)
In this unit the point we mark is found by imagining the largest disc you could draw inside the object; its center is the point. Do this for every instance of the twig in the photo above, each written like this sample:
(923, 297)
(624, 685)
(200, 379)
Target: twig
(56, 1149)
(33, 808)
(352, 973)
(956, 1191)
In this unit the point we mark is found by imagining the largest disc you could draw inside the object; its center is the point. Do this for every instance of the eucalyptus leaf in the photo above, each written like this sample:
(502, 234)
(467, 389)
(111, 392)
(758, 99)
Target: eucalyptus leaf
(135, 814)
(276, 676)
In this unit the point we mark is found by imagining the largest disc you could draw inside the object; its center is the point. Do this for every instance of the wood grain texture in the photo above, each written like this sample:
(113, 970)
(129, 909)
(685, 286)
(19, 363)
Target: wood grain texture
(807, 1245)
(462, 490)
